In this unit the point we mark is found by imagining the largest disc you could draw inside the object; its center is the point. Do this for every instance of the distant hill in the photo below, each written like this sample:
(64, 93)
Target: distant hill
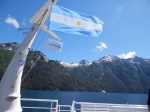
(109, 73)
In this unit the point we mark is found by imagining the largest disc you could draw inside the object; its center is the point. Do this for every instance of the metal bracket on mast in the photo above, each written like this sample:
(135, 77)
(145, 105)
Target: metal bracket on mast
(45, 28)
(22, 29)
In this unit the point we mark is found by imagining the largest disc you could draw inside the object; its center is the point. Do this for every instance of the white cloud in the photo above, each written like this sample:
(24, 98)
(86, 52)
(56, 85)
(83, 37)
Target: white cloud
(100, 47)
(127, 55)
(12, 21)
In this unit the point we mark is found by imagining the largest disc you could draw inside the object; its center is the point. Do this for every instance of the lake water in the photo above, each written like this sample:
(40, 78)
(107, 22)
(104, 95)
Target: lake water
(66, 98)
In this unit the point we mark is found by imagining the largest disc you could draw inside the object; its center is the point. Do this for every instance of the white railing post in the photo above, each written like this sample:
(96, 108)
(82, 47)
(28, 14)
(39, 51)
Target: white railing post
(72, 107)
(56, 106)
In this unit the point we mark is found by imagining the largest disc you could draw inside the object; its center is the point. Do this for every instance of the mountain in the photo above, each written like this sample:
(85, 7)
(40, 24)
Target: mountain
(123, 75)
(47, 75)
(13, 46)
(109, 73)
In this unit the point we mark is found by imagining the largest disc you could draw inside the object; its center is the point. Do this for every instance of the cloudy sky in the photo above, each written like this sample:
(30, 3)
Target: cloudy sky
(126, 29)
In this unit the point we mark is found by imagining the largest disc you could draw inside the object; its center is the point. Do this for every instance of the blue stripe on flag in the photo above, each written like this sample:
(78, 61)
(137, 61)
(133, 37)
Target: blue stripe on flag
(91, 25)
(61, 10)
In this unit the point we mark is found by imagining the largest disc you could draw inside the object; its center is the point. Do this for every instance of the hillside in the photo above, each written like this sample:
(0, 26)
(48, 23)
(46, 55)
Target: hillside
(48, 75)
(109, 73)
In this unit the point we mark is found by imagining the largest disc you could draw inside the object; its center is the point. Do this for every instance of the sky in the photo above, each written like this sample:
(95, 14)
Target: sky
(126, 28)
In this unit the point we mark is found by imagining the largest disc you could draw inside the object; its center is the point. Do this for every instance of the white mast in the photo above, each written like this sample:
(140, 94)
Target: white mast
(11, 81)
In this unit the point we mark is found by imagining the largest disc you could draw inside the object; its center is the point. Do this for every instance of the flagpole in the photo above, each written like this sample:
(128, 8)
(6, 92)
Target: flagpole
(11, 81)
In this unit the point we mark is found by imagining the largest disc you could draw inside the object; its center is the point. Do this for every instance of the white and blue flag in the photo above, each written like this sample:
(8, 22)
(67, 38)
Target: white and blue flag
(68, 21)
(54, 45)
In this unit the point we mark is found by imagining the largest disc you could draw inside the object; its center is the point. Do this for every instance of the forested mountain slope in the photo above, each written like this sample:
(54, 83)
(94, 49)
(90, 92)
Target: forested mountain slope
(109, 73)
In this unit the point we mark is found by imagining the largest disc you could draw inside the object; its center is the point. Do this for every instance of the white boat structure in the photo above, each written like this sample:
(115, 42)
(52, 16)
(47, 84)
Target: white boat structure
(10, 100)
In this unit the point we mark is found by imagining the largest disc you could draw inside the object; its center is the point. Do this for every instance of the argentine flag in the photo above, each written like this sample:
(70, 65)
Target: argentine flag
(68, 21)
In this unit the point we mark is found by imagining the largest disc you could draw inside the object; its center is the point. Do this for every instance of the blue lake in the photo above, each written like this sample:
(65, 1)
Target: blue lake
(66, 98)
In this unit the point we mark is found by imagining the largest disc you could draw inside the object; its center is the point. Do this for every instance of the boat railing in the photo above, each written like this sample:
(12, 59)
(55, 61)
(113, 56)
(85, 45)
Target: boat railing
(64, 108)
(47, 105)
(52, 106)
(107, 107)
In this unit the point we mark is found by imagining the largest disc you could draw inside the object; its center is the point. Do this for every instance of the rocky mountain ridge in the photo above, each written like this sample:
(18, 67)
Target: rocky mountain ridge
(108, 58)
(13, 46)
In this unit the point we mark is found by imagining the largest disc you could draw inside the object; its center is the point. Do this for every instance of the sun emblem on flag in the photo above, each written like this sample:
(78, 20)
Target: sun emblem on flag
(78, 23)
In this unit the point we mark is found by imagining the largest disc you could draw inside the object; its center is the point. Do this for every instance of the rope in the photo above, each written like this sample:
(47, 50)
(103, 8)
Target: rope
(41, 41)
(42, 17)
(38, 56)
(36, 39)
(31, 67)
(36, 59)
